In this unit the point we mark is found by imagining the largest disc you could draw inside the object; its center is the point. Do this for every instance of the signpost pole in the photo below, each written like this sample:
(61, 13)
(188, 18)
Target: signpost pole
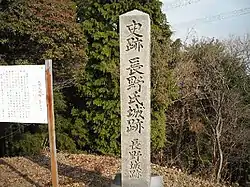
(51, 121)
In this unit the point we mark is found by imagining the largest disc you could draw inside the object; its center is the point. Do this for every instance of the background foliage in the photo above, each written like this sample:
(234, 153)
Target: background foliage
(99, 109)
(30, 32)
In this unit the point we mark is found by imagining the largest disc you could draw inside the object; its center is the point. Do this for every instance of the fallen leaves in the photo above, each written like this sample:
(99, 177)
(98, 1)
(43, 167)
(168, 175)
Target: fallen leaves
(80, 170)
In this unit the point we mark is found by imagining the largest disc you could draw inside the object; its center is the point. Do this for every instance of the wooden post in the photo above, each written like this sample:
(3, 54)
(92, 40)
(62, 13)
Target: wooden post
(51, 121)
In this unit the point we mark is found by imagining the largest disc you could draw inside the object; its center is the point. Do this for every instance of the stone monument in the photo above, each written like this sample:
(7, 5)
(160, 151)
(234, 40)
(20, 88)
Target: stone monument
(135, 101)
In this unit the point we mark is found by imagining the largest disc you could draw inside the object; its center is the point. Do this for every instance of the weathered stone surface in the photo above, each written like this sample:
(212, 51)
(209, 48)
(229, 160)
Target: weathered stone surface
(156, 181)
(135, 98)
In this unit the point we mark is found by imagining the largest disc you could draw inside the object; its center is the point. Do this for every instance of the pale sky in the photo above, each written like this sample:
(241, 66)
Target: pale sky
(237, 25)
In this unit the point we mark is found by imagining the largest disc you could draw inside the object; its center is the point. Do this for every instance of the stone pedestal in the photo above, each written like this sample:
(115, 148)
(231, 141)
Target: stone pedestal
(155, 181)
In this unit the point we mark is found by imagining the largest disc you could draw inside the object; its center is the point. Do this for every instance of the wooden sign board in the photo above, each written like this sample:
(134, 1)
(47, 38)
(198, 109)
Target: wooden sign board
(23, 94)
(26, 96)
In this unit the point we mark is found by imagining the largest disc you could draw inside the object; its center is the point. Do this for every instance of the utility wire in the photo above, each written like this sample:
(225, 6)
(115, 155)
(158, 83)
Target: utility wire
(180, 3)
(218, 17)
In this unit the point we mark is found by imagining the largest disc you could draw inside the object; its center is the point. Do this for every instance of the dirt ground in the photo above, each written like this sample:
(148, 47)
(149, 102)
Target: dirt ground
(80, 170)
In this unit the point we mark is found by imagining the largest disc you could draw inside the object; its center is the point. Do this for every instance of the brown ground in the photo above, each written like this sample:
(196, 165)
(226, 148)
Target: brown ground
(79, 170)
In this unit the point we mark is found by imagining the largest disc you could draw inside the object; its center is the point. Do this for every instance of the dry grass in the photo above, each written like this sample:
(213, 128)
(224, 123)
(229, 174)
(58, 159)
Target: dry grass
(80, 170)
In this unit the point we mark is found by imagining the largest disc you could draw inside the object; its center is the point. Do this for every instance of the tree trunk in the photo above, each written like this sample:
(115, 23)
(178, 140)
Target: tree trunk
(178, 143)
(218, 131)
(218, 177)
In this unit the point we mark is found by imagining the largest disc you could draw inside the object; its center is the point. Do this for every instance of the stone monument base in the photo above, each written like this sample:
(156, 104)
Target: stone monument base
(156, 181)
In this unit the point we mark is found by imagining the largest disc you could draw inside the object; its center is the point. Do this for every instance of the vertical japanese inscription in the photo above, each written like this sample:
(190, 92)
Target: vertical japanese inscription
(135, 113)
(135, 98)
(135, 38)
(135, 170)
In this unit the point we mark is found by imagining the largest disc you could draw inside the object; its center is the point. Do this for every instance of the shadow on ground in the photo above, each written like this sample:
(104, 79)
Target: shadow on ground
(76, 173)
(22, 175)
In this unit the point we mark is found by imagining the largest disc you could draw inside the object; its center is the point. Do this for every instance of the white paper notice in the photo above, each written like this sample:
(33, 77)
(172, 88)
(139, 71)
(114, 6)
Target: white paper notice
(23, 94)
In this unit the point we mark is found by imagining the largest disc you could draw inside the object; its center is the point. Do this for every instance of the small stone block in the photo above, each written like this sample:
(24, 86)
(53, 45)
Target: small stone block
(156, 181)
